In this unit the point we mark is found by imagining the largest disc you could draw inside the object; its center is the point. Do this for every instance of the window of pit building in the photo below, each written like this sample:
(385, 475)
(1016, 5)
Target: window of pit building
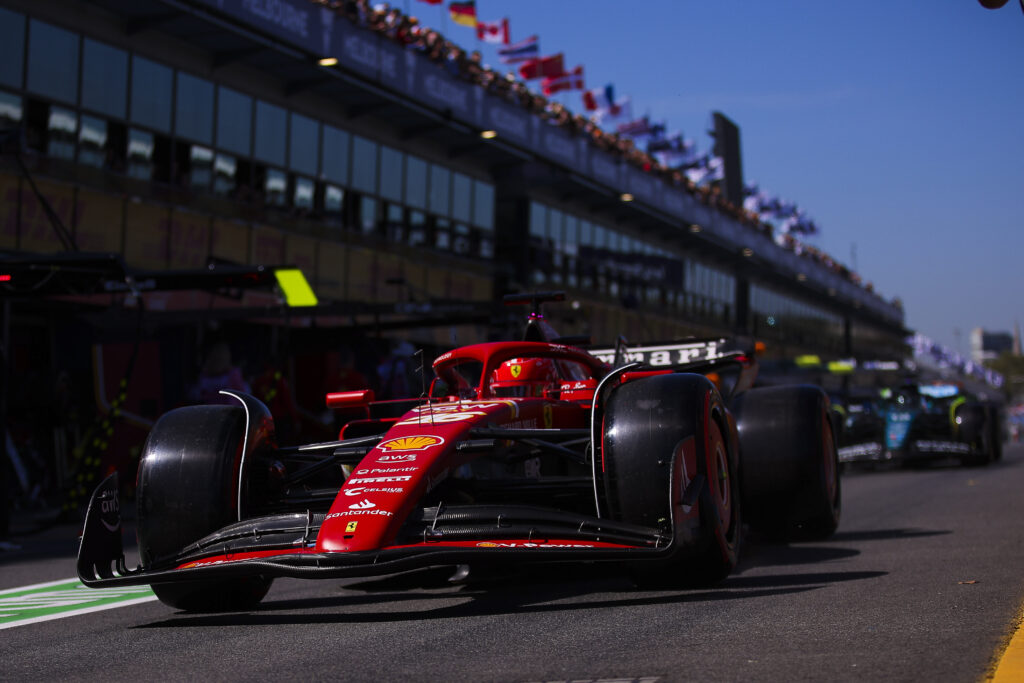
(12, 47)
(334, 198)
(394, 223)
(439, 192)
(364, 164)
(200, 167)
(193, 109)
(225, 174)
(540, 244)
(52, 62)
(271, 133)
(556, 242)
(368, 207)
(304, 150)
(302, 194)
(415, 182)
(391, 174)
(462, 198)
(462, 240)
(104, 79)
(275, 187)
(140, 154)
(61, 131)
(334, 146)
(10, 110)
(417, 234)
(92, 142)
(151, 94)
(483, 205)
(442, 234)
(234, 121)
(570, 250)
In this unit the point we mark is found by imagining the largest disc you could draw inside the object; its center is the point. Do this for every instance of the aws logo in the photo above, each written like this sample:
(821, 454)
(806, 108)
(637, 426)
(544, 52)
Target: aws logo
(410, 443)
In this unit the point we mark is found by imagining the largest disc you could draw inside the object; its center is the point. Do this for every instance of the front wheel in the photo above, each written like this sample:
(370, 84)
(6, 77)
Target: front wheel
(668, 463)
(192, 480)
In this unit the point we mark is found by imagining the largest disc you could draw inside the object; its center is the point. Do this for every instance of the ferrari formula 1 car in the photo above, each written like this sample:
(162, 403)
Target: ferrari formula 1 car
(917, 423)
(519, 452)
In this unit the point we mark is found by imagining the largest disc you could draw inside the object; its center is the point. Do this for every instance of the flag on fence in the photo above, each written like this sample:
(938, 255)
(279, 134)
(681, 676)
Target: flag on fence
(496, 32)
(572, 80)
(545, 67)
(523, 51)
(463, 13)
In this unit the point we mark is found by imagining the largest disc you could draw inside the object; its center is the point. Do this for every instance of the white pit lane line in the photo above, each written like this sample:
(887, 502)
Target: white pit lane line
(65, 598)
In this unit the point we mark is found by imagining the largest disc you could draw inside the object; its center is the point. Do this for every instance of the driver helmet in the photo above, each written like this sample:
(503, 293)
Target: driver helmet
(524, 377)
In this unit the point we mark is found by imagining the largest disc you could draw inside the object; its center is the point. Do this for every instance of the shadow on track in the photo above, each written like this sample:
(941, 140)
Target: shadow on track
(499, 594)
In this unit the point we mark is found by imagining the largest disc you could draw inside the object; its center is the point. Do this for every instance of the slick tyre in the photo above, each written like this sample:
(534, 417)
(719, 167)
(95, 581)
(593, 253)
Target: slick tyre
(790, 475)
(974, 426)
(188, 487)
(666, 436)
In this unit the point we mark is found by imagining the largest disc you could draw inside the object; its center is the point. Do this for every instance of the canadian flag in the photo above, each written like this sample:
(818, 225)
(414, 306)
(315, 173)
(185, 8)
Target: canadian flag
(493, 32)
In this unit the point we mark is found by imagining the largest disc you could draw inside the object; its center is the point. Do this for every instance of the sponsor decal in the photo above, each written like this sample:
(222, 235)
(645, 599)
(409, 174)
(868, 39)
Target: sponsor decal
(409, 443)
(391, 470)
(457, 412)
(110, 509)
(868, 449)
(378, 480)
(351, 527)
(530, 544)
(364, 504)
(363, 490)
(400, 457)
(372, 512)
(516, 370)
(943, 447)
(549, 416)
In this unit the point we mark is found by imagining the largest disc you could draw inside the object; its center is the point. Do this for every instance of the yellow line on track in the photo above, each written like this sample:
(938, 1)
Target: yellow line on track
(1010, 668)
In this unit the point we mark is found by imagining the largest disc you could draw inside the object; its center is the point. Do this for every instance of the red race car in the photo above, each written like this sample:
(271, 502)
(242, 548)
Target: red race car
(518, 452)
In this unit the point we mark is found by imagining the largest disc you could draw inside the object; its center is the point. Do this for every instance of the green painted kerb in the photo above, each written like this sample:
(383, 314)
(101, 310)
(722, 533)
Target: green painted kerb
(66, 598)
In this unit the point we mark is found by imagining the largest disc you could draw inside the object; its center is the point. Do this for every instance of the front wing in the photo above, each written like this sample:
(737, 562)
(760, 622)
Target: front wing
(101, 561)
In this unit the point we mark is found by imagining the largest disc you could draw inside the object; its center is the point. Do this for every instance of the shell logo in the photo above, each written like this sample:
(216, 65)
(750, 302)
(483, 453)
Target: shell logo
(410, 443)
(486, 544)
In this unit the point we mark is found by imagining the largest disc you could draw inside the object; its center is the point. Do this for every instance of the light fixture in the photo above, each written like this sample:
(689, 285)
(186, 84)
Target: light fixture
(801, 277)
(694, 228)
(831, 291)
(328, 61)
(488, 134)
(626, 197)
(747, 252)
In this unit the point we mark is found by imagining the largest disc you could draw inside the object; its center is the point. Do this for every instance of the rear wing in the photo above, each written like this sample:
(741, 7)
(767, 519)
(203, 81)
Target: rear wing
(698, 355)
(675, 356)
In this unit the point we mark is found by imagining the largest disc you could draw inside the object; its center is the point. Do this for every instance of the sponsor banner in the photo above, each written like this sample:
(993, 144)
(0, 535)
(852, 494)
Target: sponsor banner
(99, 221)
(190, 239)
(665, 355)
(146, 243)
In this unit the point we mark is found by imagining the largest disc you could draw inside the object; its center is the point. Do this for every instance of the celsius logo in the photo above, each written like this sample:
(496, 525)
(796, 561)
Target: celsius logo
(410, 443)
(363, 505)
(399, 457)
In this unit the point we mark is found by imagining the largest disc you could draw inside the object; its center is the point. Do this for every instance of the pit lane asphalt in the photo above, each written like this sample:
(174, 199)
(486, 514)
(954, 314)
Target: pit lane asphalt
(923, 581)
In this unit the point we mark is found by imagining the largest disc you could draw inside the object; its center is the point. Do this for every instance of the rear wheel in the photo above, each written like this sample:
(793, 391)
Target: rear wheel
(663, 438)
(975, 428)
(188, 487)
(791, 486)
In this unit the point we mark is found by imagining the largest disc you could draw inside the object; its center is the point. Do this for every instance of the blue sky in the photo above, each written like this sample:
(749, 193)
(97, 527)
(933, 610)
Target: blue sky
(898, 126)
